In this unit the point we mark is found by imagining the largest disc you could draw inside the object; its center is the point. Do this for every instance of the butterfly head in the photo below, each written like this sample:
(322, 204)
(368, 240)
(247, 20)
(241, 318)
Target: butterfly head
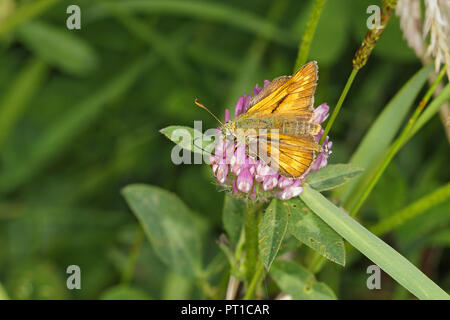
(228, 128)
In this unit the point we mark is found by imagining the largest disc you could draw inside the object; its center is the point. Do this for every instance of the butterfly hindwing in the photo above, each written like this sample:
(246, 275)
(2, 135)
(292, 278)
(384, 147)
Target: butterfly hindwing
(290, 156)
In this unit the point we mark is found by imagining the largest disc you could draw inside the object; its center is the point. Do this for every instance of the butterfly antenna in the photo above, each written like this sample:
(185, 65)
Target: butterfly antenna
(201, 148)
(203, 107)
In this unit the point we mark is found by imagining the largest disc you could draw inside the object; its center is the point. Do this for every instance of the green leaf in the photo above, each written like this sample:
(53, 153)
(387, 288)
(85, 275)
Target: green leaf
(272, 229)
(393, 263)
(24, 13)
(124, 292)
(210, 11)
(316, 234)
(189, 139)
(298, 282)
(170, 226)
(176, 287)
(384, 129)
(3, 294)
(59, 47)
(431, 109)
(418, 207)
(61, 132)
(22, 89)
(233, 217)
(332, 176)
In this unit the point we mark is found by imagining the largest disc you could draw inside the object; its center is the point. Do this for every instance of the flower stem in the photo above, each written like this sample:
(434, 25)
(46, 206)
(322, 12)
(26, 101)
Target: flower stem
(251, 222)
(339, 104)
(316, 262)
(135, 251)
(305, 45)
(395, 147)
(360, 59)
(255, 281)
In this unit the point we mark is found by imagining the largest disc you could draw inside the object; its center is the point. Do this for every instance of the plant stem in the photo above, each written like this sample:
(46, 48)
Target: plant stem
(233, 286)
(336, 110)
(255, 281)
(360, 59)
(431, 110)
(23, 14)
(251, 222)
(135, 250)
(316, 262)
(394, 148)
(305, 45)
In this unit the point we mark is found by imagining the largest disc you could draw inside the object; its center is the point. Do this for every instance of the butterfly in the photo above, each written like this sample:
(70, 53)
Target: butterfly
(278, 126)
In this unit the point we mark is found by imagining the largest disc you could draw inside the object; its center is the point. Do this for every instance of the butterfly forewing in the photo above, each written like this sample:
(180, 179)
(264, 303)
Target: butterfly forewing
(286, 108)
(295, 95)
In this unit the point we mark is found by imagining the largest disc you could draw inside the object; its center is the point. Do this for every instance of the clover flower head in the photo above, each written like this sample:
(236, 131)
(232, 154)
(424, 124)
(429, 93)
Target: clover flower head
(249, 178)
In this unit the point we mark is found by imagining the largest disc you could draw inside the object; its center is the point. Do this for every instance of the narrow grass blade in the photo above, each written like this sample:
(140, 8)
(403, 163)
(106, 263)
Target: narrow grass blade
(59, 47)
(212, 11)
(19, 94)
(418, 207)
(393, 263)
(23, 14)
(431, 110)
(383, 131)
(60, 133)
(308, 36)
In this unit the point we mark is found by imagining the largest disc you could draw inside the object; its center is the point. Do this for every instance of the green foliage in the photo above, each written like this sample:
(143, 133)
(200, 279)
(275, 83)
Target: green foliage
(372, 247)
(58, 136)
(22, 90)
(189, 139)
(332, 176)
(316, 234)
(383, 131)
(59, 47)
(124, 293)
(80, 112)
(297, 282)
(233, 218)
(173, 231)
(215, 12)
(272, 229)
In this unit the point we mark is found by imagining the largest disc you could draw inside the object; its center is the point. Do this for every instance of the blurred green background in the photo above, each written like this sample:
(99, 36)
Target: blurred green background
(80, 112)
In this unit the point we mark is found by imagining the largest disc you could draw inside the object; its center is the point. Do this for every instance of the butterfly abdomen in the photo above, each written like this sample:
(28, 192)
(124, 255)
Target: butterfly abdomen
(299, 127)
